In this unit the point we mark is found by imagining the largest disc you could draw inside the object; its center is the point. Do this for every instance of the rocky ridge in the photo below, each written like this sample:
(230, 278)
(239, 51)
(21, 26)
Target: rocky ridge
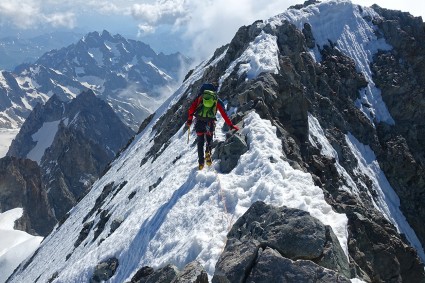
(88, 136)
(328, 91)
(312, 105)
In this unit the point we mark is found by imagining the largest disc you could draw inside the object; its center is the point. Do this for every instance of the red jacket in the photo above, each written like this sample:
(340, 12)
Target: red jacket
(220, 108)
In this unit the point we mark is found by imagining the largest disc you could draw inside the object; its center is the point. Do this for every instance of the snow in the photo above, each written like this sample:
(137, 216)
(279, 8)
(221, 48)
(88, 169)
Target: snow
(260, 56)
(159, 71)
(344, 24)
(318, 139)
(92, 82)
(71, 91)
(6, 137)
(15, 245)
(387, 201)
(44, 138)
(188, 214)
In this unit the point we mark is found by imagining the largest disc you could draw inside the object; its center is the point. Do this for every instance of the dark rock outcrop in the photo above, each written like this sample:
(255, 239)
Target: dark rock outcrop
(399, 73)
(21, 186)
(88, 136)
(229, 152)
(266, 236)
(104, 270)
(192, 273)
(270, 264)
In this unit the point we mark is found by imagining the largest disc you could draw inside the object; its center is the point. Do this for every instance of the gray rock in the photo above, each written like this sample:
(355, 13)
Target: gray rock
(193, 272)
(229, 152)
(21, 186)
(270, 265)
(104, 270)
(236, 261)
(164, 275)
(292, 233)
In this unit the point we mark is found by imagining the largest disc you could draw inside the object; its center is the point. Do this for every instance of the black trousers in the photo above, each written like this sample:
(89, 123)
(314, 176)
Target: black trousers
(205, 131)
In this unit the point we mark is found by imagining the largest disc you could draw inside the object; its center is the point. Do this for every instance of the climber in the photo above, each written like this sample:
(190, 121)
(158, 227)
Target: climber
(204, 108)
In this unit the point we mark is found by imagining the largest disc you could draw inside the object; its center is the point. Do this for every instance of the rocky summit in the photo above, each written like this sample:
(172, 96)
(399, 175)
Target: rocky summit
(322, 183)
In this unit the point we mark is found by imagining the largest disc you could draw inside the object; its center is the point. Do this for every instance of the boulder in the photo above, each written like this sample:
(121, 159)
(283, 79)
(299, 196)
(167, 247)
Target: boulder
(291, 234)
(229, 152)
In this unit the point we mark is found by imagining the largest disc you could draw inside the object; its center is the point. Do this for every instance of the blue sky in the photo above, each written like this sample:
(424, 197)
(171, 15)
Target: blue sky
(191, 26)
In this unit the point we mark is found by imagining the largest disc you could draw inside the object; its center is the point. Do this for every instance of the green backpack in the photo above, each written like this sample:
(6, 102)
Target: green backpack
(208, 107)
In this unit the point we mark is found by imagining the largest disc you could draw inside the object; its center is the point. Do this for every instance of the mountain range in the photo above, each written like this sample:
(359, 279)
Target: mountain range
(323, 183)
(127, 74)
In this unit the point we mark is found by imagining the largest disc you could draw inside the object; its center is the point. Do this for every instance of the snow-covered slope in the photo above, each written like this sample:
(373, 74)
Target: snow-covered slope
(187, 215)
(15, 245)
(153, 207)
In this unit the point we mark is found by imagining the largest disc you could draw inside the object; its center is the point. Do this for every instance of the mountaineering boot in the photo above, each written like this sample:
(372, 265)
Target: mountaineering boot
(208, 158)
(201, 166)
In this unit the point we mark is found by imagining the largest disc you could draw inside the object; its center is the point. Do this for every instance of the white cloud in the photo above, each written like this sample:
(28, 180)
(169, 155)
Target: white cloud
(145, 29)
(61, 19)
(162, 12)
(22, 14)
(28, 14)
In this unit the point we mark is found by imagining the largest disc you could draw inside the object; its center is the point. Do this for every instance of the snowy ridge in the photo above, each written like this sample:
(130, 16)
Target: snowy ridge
(183, 218)
(171, 213)
(344, 24)
(188, 213)
(260, 56)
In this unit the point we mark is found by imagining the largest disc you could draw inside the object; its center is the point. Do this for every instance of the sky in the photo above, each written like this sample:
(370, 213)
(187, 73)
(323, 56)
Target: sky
(193, 27)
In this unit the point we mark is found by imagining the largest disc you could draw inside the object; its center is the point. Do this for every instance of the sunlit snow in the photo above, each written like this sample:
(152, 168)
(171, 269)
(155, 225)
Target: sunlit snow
(260, 56)
(173, 213)
(15, 245)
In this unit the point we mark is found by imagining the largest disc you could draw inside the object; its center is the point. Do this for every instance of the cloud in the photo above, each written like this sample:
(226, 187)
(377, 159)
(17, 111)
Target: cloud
(29, 14)
(212, 26)
(208, 24)
(61, 19)
(22, 14)
(164, 12)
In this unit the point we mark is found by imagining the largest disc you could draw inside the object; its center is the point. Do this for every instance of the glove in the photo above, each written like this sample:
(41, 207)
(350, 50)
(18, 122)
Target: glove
(235, 128)
(188, 123)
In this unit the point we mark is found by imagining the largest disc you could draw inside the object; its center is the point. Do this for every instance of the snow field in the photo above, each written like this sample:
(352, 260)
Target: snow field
(387, 200)
(15, 245)
(44, 138)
